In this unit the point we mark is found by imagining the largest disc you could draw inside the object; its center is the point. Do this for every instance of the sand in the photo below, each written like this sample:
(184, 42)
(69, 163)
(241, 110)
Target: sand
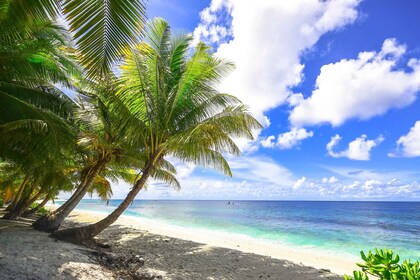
(168, 252)
(339, 264)
(29, 254)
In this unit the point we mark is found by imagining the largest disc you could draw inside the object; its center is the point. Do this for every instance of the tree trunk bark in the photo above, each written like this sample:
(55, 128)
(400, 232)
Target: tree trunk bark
(16, 199)
(81, 234)
(34, 210)
(74, 196)
(50, 222)
(21, 207)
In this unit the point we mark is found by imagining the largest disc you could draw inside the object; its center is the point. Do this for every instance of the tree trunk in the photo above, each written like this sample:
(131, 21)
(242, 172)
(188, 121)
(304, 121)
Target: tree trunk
(16, 199)
(81, 234)
(74, 196)
(34, 210)
(21, 207)
(51, 221)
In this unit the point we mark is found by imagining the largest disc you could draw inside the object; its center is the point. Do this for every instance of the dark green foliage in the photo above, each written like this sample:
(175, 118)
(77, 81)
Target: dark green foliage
(384, 264)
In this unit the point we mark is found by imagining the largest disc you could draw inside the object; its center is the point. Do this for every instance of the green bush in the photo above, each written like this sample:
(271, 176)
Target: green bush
(41, 210)
(1, 202)
(383, 264)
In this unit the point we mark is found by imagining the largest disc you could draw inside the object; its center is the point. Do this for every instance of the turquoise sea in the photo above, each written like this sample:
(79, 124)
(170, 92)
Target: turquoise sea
(342, 227)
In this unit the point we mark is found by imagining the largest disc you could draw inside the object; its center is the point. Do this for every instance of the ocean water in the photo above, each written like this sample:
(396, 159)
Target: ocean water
(342, 227)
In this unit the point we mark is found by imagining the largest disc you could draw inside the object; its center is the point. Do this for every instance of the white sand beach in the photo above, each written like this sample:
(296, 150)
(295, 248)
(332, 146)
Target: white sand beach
(340, 264)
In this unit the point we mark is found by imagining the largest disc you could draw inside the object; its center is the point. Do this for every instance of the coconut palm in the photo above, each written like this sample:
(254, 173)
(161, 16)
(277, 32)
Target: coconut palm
(35, 57)
(103, 147)
(41, 180)
(37, 60)
(170, 103)
(34, 114)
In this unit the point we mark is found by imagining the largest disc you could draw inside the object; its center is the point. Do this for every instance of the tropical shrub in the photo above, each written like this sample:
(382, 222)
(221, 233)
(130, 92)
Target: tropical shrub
(41, 210)
(385, 265)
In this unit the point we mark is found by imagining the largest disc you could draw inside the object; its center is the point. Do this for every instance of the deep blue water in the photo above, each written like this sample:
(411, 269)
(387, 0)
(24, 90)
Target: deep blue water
(336, 226)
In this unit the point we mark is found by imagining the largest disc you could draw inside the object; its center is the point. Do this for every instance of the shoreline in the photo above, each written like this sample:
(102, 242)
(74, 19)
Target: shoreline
(312, 257)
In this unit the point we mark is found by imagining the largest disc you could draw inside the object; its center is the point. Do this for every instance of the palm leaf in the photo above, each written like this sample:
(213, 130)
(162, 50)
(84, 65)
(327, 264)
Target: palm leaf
(102, 28)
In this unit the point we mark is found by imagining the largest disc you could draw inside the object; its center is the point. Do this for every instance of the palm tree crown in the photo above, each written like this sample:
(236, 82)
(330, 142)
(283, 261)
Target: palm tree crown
(172, 104)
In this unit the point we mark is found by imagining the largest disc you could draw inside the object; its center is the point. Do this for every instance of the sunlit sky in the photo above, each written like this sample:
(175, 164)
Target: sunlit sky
(336, 85)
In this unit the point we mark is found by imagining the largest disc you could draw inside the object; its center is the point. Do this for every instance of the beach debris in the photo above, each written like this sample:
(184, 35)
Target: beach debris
(148, 274)
(103, 245)
(117, 262)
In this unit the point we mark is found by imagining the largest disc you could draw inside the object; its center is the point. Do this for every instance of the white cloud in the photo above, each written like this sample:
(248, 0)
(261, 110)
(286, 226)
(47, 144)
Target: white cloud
(330, 180)
(183, 170)
(380, 189)
(409, 144)
(209, 30)
(299, 183)
(260, 169)
(287, 140)
(359, 88)
(253, 177)
(358, 149)
(359, 189)
(268, 64)
(360, 174)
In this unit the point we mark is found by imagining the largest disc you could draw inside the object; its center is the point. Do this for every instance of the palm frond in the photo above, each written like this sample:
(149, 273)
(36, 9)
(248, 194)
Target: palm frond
(167, 177)
(102, 28)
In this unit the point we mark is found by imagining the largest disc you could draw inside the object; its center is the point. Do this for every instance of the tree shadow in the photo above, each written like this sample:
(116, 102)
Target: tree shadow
(173, 258)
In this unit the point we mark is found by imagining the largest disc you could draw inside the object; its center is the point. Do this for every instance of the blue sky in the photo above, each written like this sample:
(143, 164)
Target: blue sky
(336, 85)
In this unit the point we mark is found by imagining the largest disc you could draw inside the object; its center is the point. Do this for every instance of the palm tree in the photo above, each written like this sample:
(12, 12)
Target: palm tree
(36, 55)
(103, 148)
(34, 114)
(42, 180)
(169, 101)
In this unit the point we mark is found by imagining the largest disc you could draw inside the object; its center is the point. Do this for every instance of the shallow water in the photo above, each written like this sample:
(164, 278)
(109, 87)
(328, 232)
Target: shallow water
(342, 227)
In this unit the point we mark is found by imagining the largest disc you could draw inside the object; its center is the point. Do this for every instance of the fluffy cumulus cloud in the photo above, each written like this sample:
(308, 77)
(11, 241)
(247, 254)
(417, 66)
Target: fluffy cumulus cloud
(379, 189)
(299, 182)
(358, 149)
(361, 88)
(267, 64)
(209, 30)
(363, 189)
(409, 144)
(286, 140)
(330, 180)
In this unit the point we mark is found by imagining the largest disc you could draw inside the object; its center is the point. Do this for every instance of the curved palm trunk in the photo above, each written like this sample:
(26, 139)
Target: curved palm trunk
(71, 198)
(21, 207)
(74, 196)
(36, 209)
(17, 197)
(51, 221)
(81, 234)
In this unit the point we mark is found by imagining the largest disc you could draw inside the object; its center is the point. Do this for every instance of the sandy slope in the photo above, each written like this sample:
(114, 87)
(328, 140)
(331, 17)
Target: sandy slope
(29, 254)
